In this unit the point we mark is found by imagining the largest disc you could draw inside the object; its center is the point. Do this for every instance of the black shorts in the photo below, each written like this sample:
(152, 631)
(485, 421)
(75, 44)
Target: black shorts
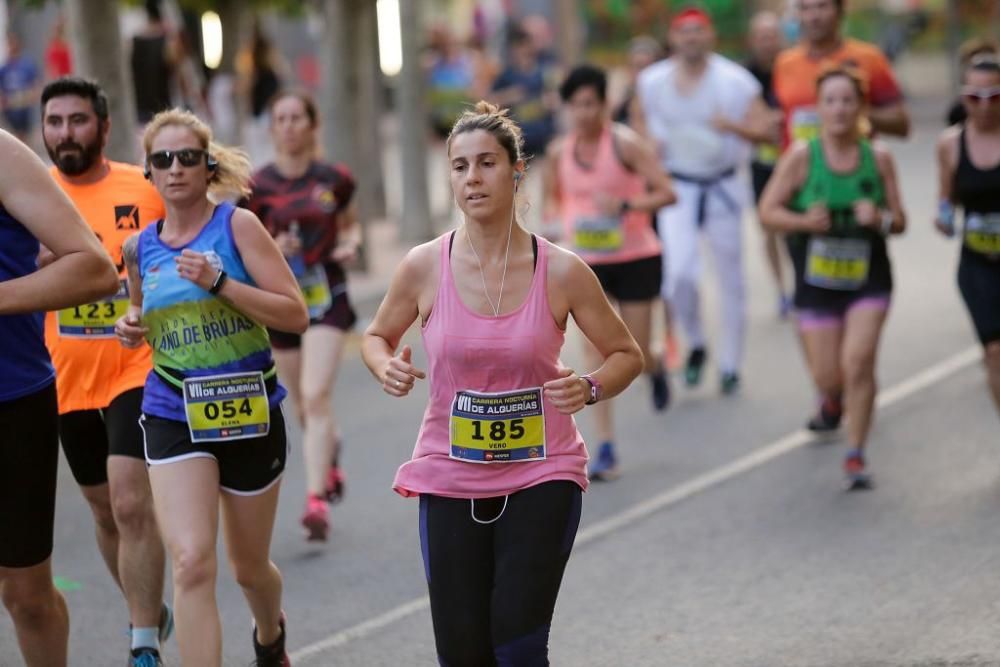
(29, 460)
(246, 467)
(638, 280)
(760, 174)
(89, 436)
(979, 282)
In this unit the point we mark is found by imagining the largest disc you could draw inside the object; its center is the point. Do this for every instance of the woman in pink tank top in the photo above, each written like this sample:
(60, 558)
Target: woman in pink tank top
(604, 183)
(499, 465)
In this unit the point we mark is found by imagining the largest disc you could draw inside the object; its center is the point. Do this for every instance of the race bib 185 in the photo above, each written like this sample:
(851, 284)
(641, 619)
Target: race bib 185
(500, 427)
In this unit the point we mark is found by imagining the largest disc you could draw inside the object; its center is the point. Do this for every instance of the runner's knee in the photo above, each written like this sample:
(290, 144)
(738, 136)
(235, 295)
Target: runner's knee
(194, 567)
(317, 403)
(100, 505)
(29, 599)
(859, 366)
(133, 511)
(250, 572)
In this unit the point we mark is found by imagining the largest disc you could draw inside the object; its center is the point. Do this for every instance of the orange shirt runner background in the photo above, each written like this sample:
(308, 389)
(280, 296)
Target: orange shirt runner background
(795, 74)
(91, 372)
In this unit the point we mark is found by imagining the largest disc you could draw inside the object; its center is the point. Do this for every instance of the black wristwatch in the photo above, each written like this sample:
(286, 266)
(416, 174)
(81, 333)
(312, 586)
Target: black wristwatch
(220, 280)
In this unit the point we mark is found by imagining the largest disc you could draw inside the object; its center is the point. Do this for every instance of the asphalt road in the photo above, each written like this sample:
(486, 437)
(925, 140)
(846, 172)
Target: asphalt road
(726, 542)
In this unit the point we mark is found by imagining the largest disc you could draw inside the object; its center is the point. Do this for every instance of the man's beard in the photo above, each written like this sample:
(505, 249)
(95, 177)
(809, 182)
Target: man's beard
(77, 162)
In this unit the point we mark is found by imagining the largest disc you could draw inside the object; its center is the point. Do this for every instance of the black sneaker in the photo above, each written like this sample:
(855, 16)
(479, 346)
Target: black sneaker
(144, 657)
(693, 368)
(273, 655)
(828, 418)
(661, 390)
(729, 383)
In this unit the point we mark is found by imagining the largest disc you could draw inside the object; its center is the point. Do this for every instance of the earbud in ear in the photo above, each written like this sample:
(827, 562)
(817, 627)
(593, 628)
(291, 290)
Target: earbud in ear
(517, 176)
(211, 163)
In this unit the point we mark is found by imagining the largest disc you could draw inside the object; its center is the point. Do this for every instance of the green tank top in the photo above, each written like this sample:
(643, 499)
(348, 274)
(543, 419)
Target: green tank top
(833, 268)
(840, 191)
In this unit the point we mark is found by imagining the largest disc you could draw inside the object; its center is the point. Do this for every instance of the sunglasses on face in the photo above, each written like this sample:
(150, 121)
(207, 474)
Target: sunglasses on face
(981, 94)
(189, 157)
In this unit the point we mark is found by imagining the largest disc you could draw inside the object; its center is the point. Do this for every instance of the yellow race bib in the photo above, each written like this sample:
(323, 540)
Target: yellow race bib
(94, 320)
(316, 291)
(982, 233)
(498, 428)
(839, 264)
(804, 124)
(598, 234)
(231, 406)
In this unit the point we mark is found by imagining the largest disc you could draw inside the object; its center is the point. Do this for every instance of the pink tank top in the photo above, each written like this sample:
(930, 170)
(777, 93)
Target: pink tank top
(596, 238)
(499, 438)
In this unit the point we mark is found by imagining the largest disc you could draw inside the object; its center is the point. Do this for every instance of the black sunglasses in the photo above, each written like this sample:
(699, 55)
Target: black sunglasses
(189, 157)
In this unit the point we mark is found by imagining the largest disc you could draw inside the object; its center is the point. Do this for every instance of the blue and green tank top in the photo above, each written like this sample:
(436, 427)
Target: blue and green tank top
(193, 333)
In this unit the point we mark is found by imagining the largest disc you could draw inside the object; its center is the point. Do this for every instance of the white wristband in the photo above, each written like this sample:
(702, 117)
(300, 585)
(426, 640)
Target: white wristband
(887, 219)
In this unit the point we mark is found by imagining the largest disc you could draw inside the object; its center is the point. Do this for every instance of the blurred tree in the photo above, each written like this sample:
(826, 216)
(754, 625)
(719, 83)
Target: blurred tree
(97, 53)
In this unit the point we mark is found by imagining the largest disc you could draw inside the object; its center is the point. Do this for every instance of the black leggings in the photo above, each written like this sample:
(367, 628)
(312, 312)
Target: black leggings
(493, 585)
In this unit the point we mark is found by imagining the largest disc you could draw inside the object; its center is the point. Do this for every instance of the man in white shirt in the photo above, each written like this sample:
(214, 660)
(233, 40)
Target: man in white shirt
(702, 110)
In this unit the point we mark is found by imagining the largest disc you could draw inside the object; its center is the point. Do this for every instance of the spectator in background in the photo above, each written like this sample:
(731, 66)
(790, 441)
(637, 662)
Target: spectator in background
(450, 79)
(969, 49)
(154, 57)
(58, 59)
(19, 81)
(527, 87)
(643, 51)
(260, 71)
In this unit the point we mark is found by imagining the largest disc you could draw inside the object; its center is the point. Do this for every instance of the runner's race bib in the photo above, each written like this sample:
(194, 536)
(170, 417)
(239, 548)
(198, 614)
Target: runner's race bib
(498, 428)
(767, 154)
(804, 124)
(231, 406)
(982, 233)
(838, 264)
(598, 234)
(94, 320)
(316, 291)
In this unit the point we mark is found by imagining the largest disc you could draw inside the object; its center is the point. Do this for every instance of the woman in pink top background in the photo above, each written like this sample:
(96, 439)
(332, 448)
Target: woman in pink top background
(603, 181)
(499, 465)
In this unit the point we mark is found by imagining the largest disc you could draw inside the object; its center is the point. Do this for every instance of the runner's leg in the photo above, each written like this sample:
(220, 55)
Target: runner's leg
(247, 524)
(862, 329)
(322, 347)
(186, 498)
(141, 556)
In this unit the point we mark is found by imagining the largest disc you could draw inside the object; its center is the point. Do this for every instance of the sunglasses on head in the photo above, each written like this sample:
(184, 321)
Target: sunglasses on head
(981, 94)
(189, 157)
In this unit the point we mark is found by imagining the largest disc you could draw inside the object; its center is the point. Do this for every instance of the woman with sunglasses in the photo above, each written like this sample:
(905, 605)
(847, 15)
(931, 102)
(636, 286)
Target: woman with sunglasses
(499, 464)
(836, 198)
(204, 283)
(969, 175)
(308, 206)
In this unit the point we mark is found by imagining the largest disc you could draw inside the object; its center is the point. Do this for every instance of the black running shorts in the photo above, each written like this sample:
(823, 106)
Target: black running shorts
(638, 280)
(979, 282)
(246, 467)
(89, 436)
(29, 459)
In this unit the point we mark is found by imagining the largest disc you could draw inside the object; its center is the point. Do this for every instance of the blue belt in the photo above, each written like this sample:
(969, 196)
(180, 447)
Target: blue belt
(706, 186)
